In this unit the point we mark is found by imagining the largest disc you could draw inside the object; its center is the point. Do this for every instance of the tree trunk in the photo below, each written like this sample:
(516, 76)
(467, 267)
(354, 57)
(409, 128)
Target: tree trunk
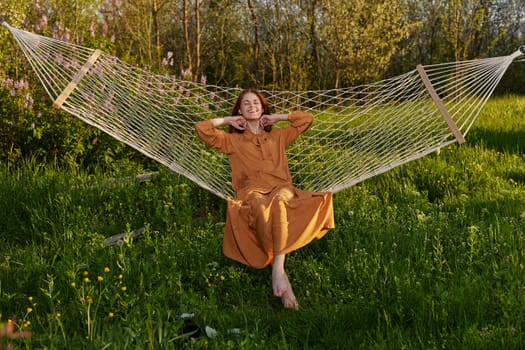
(256, 44)
(315, 68)
(185, 24)
(198, 35)
(156, 30)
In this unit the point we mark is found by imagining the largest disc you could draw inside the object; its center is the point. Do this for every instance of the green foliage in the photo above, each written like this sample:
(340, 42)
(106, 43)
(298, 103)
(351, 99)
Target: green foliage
(29, 125)
(361, 39)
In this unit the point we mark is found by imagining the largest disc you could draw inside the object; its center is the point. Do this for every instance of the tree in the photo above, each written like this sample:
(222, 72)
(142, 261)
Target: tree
(464, 25)
(425, 42)
(361, 37)
(224, 46)
(133, 27)
(314, 57)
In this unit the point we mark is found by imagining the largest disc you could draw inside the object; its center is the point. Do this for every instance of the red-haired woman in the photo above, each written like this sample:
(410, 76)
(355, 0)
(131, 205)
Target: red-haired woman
(269, 217)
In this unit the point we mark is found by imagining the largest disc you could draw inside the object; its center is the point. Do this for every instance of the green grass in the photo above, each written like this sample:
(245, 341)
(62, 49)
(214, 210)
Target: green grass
(427, 256)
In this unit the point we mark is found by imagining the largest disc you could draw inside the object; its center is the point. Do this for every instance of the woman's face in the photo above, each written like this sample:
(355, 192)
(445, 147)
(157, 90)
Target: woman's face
(251, 107)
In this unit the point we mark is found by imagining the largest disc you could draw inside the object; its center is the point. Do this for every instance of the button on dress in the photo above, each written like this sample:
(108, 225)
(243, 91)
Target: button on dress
(268, 216)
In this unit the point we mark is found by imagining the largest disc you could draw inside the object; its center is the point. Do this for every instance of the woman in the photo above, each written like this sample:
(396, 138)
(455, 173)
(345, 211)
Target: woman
(269, 217)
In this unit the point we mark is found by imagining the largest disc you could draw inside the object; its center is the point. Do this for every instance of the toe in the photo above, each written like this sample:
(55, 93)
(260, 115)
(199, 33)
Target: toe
(289, 300)
(290, 303)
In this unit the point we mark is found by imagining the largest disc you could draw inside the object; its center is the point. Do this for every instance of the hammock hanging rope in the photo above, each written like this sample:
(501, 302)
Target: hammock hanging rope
(358, 132)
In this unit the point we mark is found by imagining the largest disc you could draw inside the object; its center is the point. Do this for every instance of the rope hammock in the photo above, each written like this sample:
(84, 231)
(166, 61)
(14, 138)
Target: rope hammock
(358, 132)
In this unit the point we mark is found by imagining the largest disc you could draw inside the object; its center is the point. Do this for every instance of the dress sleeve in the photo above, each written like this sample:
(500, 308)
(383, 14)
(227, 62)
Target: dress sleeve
(213, 137)
(299, 123)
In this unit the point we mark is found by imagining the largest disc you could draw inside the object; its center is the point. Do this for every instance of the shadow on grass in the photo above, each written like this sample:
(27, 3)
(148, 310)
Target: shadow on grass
(501, 141)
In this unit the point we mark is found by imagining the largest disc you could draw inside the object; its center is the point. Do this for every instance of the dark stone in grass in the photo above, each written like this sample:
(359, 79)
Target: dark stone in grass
(121, 237)
(191, 329)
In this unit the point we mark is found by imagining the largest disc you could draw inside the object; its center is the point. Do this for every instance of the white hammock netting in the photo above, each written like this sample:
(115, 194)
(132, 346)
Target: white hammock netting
(358, 132)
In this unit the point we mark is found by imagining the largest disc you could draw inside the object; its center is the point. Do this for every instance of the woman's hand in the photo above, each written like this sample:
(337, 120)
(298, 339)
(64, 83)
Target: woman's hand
(237, 122)
(270, 119)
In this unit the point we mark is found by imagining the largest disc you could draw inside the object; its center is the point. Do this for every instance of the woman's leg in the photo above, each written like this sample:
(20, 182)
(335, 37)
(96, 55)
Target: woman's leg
(277, 239)
(281, 285)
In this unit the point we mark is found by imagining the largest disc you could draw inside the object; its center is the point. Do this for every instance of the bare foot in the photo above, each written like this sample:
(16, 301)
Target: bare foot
(289, 301)
(280, 282)
(283, 289)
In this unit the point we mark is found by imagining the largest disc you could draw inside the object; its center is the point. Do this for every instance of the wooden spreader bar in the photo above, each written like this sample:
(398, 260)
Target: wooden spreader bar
(448, 118)
(76, 79)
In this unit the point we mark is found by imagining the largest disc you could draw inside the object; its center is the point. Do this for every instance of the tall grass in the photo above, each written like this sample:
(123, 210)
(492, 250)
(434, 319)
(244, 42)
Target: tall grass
(427, 256)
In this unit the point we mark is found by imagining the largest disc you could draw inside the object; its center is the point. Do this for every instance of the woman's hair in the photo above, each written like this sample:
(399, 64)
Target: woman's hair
(264, 104)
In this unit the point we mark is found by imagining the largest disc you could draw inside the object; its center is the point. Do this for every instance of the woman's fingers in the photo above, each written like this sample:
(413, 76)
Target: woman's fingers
(239, 123)
(265, 121)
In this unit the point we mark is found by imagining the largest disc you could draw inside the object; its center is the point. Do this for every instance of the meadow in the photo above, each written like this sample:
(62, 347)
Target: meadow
(429, 255)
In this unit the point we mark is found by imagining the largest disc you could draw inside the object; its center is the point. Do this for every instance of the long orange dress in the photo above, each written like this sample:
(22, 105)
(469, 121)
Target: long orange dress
(268, 215)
